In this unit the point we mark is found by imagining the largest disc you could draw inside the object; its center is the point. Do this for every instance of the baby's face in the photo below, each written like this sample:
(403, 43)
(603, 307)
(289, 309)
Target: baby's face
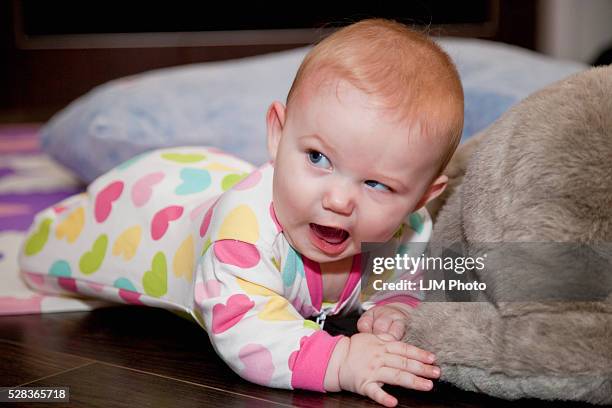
(345, 173)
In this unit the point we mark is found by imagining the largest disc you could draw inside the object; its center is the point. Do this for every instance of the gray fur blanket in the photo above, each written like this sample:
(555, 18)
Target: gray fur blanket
(541, 174)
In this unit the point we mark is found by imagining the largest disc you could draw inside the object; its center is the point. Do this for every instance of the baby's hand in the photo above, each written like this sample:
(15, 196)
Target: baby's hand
(390, 318)
(372, 361)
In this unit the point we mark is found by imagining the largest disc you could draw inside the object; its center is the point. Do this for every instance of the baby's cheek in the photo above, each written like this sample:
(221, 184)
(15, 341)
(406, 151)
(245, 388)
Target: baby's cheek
(300, 191)
(375, 229)
(293, 197)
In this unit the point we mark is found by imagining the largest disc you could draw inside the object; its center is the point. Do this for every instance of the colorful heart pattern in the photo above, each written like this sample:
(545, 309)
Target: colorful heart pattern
(231, 180)
(194, 181)
(127, 291)
(197, 212)
(184, 158)
(207, 245)
(124, 283)
(416, 222)
(240, 224)
(132, 298)
(207, 290)
(60, 268)
(91, 260)
(72, 226)
(248, 182)
(216, 166)
(36, 242)
(258, 364)
(309, 324)
(276, 263)
(68, 284)
(183, 263)
(142, 190)
(237, 253)
(127, 243)
(278, 308)
(105, 199)
(206, 221)
(254, 289)
(161, 220)
(225, 316)
(293, 266)
(400, 231)
(155, 280)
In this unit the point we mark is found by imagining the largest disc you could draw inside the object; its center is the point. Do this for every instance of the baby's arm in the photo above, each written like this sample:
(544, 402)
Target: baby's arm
(252, 326)
(364, 362)
(259, 334)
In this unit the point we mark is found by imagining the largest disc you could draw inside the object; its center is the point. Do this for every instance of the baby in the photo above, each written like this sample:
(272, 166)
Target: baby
(372, 118)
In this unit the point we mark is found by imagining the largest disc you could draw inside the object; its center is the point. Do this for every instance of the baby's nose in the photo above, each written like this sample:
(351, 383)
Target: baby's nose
(339, 199)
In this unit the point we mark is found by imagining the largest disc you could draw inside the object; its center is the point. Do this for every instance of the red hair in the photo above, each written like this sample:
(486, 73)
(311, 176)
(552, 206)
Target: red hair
(404, 69)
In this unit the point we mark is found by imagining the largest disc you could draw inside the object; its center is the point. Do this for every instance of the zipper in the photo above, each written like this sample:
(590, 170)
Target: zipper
(323, 315)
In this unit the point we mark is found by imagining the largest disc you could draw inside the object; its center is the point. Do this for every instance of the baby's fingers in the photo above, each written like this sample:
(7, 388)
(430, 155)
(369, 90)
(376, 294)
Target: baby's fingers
(394, 376)
(397, 329)
(411, 366)
(410, 351)
(382, 324)
(365, 322)
(375, 392)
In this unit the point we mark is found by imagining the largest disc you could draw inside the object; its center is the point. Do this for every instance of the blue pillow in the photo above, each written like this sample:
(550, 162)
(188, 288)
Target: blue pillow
(495, 76)
(223, 104)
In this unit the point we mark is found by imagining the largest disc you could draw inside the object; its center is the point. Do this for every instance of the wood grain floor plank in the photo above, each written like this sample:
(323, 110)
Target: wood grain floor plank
(102, 385)
(20, 364)
(151, 340)
(160, 343)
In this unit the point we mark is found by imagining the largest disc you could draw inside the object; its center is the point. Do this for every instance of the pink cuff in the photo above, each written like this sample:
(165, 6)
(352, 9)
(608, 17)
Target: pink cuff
(312, 360)
(407, 300)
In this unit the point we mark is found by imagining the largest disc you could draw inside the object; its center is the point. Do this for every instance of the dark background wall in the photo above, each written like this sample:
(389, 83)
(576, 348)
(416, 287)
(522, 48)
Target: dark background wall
(52, 52)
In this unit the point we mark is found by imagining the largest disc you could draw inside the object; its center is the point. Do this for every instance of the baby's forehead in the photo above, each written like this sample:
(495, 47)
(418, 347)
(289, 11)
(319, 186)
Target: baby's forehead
(410, 107)
(420, 118)
(318, 82)
(412, 124)
(338, 90)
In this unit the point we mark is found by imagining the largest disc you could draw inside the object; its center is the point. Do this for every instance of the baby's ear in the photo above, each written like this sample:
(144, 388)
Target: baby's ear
(435, 189)
(275, 121)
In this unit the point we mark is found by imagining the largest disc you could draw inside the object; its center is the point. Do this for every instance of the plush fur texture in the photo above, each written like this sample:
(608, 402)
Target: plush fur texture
(541, 173)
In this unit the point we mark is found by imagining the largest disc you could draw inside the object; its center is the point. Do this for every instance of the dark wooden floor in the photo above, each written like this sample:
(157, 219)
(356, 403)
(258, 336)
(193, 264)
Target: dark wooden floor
(144, 357)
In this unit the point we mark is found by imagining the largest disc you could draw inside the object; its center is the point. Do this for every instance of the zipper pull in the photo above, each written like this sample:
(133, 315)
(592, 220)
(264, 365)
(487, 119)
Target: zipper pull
(321, 320)
(322, 316)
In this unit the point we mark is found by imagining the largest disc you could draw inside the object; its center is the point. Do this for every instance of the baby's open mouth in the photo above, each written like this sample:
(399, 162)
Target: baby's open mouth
(332, 235)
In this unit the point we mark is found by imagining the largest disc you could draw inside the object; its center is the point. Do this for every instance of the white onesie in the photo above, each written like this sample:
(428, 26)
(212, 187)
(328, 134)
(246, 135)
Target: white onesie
(193, 229)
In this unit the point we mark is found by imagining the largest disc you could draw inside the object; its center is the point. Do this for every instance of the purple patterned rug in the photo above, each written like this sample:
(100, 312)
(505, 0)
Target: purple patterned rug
(29, 180)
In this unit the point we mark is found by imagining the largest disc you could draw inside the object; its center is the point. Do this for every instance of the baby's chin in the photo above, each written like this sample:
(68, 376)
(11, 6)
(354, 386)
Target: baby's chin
(324, 258)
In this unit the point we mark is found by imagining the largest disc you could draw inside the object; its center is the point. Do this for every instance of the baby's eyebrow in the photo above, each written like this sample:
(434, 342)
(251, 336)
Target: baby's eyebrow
(321, 140)
(394, 183)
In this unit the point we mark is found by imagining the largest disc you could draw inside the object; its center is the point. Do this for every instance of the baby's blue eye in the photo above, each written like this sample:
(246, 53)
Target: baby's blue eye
(318, 159)
(377, 186)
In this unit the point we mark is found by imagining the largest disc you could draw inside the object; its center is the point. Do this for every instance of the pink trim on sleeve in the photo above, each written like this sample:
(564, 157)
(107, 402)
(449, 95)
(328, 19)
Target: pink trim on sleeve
(407, 300)
(312, 360)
